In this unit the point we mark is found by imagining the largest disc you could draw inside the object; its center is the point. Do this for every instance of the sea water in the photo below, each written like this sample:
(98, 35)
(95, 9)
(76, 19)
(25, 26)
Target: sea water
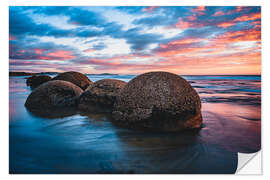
(90, 143)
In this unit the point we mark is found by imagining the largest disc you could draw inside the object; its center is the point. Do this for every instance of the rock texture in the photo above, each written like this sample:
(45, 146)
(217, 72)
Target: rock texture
(101, 95)
(76, 78)
(158, 101)
(35, 81)
(53, 95)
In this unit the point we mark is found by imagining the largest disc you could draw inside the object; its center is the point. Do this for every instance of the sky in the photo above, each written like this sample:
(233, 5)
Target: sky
(186, 40)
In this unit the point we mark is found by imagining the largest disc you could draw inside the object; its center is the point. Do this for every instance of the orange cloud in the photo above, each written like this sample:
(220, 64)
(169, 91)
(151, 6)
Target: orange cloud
(182, 41)
(257, 24)
(237, 36)
(226, 24)
(199, 10)
(237, 10)
(220, 53)
(245, 63)
(249, 17)
(180, 46)
(184, 24)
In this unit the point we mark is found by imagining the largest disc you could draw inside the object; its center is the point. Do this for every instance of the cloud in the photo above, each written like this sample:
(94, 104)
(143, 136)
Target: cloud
(219, 13)
(199, 10)
(250, 17)
(21, 24)
(226, 24)
(151, 21)
(33, 49)
(136, 39)
(77, 16)
(131, 9)
(149, 9)
(99, 46)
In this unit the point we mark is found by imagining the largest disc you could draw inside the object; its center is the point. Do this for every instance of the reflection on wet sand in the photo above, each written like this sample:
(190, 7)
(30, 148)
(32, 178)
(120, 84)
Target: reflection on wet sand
(237, 134)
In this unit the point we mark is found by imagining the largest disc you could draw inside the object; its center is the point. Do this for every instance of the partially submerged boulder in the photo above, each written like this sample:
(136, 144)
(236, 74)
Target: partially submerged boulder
(76, 78)
(100, 96)
(35, 81)
(53, 95)
(158, 101)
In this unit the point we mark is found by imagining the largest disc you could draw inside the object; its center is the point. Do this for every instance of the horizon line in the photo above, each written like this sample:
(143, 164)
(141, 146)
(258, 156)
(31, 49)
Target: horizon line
(150, 71)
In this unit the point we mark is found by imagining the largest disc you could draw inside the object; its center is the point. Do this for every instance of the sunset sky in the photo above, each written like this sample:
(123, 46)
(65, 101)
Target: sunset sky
(132, 40)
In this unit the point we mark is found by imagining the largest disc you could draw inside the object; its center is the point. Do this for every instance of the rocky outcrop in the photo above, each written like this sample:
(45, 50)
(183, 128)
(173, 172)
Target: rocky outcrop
(100, 96)
(76, 78)
(158, 101)
(21, 74)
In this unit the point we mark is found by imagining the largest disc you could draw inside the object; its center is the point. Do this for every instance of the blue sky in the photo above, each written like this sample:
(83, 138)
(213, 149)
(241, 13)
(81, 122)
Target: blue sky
(135, 39)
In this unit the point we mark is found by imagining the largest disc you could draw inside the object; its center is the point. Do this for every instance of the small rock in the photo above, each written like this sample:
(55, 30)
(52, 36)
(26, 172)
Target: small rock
(76, 78)
(35, 81)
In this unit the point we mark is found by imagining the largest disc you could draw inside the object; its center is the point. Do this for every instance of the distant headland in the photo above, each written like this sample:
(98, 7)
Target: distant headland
(14, 73)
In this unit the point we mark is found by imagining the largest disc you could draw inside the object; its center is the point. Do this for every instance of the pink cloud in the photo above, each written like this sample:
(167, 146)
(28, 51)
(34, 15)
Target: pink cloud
(219, 13)
(149, 9)
(89, 50)
(39, 51)
(192, 17)
(61, 54)
(182, 24)
(199, 10)
(12, 37)
(187, 24)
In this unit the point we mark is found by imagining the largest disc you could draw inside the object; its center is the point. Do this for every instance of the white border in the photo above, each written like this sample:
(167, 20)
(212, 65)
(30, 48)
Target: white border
(4, 75)
(137, 2)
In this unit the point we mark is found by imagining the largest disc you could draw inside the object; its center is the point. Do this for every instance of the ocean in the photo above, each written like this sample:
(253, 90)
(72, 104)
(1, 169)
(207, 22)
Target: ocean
(90, 143)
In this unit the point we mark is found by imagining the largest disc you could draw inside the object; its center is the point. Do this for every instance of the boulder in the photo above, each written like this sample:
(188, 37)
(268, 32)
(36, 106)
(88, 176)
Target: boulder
(35, 81)
(53, 95)
(101, 95)
(158, 101)
(76, 78)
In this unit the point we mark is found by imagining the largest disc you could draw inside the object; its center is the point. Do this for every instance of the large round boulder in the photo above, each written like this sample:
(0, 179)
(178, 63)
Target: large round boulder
(101, 95)
(76, 78)
(53, 95)
(35, 81)
(158, 101)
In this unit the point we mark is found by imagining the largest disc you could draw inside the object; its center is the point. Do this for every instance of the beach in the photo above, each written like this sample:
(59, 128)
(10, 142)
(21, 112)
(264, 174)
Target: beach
(89, 143)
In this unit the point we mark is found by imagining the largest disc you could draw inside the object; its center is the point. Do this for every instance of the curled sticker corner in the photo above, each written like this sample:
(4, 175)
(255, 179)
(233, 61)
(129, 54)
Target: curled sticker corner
(244, 159)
